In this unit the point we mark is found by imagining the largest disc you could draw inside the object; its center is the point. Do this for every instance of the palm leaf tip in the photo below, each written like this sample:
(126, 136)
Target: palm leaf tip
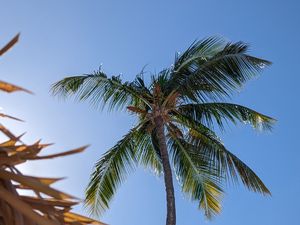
(248, 176)
(67, 86)
(211, 200)
(7, 87)
(262, 122)
(10, 44)
(217, 113)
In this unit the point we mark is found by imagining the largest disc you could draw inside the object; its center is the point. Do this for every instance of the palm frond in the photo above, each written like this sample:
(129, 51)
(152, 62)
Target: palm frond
(227, 163)
(216, 74)
(161, 79)
(199, 50)
(110, 171)
(199, 181)
(101, 90)
(9, 88)
(148, 153)
(10, 44)
(139, 83)
(45, 205)
(210, 113)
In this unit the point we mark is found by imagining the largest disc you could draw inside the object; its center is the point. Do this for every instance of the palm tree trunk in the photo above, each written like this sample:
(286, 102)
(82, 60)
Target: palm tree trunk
(171, 210)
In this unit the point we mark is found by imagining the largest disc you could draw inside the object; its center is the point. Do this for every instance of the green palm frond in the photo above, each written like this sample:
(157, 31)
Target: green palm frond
(110, 171)
(162, 79)
(216, 74)
(199, 181)
(147, 152)
(139, 81)
(210, 113)
(101, 90)
(199, 50)
(227, 163)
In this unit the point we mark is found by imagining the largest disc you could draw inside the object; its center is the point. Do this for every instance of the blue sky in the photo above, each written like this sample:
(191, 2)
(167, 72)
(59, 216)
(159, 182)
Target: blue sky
(61, 38)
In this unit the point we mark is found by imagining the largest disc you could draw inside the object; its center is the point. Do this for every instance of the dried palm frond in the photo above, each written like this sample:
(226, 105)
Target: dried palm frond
(46, 205)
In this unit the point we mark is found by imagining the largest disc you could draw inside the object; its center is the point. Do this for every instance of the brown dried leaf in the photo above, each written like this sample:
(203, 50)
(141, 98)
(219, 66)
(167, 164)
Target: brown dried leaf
(23, 208)
(10, 44)
(34, 184)
(10, 117)
(7, 87)
(74, 151)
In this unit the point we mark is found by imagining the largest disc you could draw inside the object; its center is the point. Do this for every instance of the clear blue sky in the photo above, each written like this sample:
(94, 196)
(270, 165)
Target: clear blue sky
(61, 38)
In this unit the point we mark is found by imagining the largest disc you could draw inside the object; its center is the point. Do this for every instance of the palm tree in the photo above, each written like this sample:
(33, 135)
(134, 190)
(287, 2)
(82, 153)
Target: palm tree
(176, 113)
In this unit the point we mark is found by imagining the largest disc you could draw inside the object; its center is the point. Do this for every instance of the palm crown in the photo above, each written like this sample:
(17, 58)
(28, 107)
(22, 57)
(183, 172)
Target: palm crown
(176, 112)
